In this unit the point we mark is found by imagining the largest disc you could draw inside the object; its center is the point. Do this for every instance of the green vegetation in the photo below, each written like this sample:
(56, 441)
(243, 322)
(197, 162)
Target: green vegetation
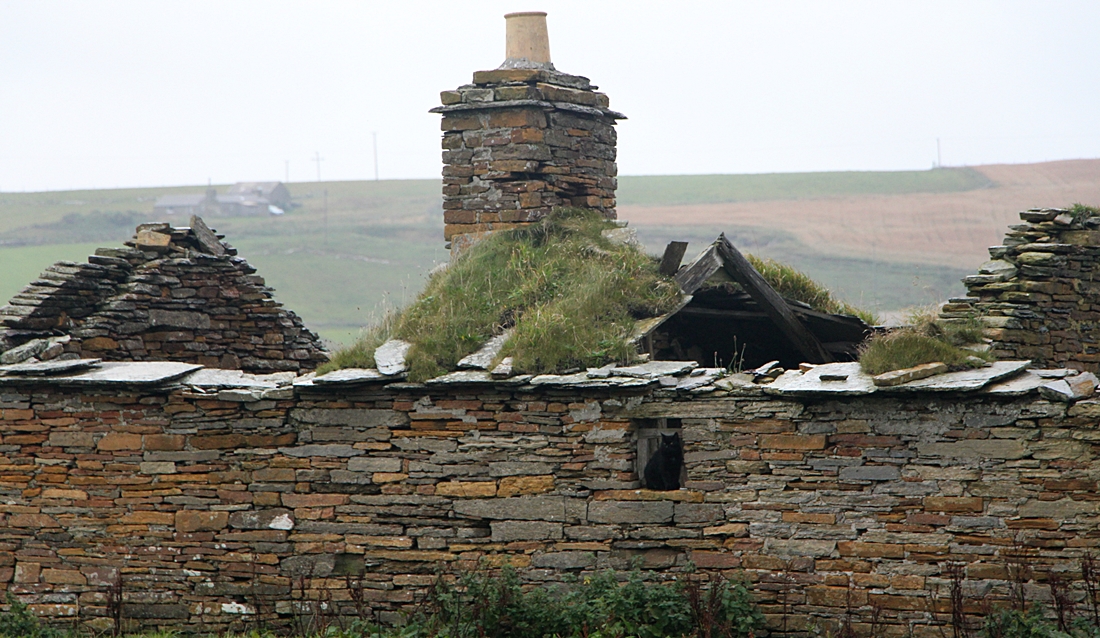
(926, 340)
(664, 190)
(19, 622)
(570, 296)
(496, 605)
(604, 605)
(797, 285)
(1082, 212)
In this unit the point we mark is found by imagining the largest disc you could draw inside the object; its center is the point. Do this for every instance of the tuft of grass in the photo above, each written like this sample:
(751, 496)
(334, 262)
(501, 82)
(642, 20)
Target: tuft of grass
(1081, 212)
(797, 285)
(570, 296)
(926, 340)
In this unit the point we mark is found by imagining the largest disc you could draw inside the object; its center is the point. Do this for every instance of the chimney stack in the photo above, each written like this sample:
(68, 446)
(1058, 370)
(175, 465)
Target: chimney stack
(524, 139)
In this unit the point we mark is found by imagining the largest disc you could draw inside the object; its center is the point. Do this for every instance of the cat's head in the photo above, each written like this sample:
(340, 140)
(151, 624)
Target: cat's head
(671, 440)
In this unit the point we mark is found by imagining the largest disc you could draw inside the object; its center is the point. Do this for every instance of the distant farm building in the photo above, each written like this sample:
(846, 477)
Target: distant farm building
(243, 198)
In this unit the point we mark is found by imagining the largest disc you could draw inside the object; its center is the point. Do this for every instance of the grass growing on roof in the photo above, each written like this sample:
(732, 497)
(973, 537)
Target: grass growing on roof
(926, 340)
(570, 296)
(1081, 212)
(797, 285)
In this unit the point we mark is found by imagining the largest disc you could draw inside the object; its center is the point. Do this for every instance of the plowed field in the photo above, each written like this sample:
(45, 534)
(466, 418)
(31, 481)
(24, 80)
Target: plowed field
(947, 229)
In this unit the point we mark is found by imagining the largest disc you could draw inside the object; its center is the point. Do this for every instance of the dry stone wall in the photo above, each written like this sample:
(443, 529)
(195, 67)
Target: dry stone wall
(173, 294)
(218, 505)
(1039, 296)
(519, 142)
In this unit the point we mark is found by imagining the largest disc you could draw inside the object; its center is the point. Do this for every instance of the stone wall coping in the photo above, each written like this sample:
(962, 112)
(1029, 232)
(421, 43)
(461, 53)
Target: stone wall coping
(112, 373)
(506, 104)
(664, 378)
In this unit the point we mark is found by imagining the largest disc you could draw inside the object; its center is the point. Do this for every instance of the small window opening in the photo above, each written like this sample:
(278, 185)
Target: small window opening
(660, 459)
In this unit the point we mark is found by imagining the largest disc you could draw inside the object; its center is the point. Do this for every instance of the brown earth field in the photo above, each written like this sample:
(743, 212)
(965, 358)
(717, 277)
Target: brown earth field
(948, 229)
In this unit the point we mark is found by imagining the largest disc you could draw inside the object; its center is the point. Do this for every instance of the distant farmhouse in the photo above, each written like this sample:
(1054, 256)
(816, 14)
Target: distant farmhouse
(243, 198)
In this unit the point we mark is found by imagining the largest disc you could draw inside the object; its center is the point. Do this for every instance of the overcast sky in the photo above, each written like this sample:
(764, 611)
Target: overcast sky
(147, 93)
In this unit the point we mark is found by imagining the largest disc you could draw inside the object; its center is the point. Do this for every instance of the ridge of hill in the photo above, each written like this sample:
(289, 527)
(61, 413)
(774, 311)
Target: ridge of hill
(882, 240)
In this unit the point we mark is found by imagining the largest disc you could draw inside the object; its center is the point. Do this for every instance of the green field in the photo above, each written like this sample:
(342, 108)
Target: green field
(349, 250)
(665, 190)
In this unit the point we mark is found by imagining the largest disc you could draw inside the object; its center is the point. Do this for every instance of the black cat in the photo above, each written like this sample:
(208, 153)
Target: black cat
(662, 472)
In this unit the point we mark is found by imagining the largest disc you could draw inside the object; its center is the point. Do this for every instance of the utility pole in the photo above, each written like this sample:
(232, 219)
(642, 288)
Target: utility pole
(326, 219)
(287, 180)
(374, 135)
(317, 158)
(939, 161)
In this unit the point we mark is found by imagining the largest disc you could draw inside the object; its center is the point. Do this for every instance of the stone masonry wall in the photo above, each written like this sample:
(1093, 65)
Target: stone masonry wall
(519, 142)
(1039, 297)
(217, 507)
(166, 297)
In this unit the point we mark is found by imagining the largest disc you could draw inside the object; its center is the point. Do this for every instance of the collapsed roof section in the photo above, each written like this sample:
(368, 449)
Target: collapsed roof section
(732, 318)
(173, 294)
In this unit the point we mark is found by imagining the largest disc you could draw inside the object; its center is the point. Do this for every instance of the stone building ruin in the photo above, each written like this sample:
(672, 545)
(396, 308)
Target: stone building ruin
(172, 294)
(210, 499)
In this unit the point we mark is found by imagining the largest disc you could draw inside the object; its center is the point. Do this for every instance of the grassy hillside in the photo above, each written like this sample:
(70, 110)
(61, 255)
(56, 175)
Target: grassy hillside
(349, 249)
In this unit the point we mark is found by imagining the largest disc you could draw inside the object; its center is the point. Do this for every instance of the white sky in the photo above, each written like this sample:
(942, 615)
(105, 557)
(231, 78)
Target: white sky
(146, 93)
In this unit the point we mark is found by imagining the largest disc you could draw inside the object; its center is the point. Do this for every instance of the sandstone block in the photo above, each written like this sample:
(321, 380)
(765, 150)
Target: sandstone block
(870, 473)
(27, 572)
(467, 489)
(715, 560)
(332, 451)
(115, 441)
(799, 547)
(523, 485)
(32, 520)
(1059, 510)
(508, 531)
(792, 441)
(274, 518)
(526, 508)
(870, 550)
(374, 464)
(697, 513)
(953, 504)
(564, 560)
(63, 577)
(72, 439)
(179, 319)
(636, 512)
(314, 500)
(148, 518)
(164, 442)
(160, 611)
(1008, 449)
(198, 521)
(388, 477)
(359, 418)
(66, 494)
(518, 468)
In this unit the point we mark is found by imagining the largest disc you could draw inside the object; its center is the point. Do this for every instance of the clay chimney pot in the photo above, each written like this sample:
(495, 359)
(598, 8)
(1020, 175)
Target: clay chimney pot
(528, 44)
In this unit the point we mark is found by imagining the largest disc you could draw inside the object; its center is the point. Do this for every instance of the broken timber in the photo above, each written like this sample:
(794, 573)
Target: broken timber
(722, 255)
